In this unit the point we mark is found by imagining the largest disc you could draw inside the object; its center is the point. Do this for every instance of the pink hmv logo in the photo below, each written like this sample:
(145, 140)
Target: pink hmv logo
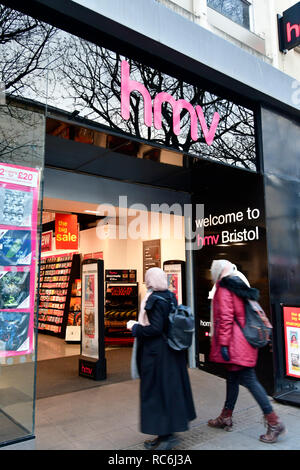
(292, 28)
(154, 112)
(86, 370)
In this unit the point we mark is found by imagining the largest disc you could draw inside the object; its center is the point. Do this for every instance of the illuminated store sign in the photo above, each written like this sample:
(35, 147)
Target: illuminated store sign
(228, 236)
(289, 28)
(128, 85)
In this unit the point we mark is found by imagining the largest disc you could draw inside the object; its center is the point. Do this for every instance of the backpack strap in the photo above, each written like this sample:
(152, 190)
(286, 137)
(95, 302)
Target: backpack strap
(169, 301)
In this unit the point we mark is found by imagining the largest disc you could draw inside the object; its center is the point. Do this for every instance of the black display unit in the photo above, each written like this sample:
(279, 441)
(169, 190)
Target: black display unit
(57, 275)
(121, 305)
(92, 361)
(287, 353)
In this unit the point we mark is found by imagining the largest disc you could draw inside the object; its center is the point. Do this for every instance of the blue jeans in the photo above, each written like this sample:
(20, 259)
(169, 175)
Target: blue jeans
(246, 377)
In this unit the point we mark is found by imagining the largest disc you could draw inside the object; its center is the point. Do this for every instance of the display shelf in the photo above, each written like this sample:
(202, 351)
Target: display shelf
(73, 330)
(121, 305)
(57, 275)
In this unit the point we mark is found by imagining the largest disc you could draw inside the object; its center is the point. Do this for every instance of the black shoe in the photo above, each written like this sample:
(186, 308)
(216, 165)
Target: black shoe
(150, 444)
(162, 443)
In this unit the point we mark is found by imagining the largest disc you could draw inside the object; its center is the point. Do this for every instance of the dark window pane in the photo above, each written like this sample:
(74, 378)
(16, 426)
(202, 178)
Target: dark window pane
(236, 10)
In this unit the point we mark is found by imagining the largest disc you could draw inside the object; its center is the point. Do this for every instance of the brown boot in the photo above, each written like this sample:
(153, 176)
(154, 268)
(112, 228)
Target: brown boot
(274, 429)
(224, 421)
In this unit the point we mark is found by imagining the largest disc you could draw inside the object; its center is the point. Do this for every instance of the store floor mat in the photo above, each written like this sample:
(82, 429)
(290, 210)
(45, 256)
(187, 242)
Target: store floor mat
(59, 376)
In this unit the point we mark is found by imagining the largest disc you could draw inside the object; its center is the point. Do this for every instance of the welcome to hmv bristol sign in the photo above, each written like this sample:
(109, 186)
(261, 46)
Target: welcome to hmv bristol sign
(289, 28)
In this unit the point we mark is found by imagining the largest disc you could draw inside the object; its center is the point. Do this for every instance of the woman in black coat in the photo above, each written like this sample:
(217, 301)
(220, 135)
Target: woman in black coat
(166, 400)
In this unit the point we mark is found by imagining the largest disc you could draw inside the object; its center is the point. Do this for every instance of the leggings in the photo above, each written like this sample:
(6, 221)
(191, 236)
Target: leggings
(246, 377)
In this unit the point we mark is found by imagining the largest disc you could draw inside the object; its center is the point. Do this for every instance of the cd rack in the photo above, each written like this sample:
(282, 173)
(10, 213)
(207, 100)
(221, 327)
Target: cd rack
(57, 275)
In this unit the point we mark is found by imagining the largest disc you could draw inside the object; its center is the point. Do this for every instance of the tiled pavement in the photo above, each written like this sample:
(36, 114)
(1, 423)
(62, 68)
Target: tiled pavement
(107, 418)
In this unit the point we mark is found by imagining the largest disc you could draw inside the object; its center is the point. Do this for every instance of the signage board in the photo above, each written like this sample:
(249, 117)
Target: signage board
(151, 255)
(66, 232)
(46, 242)
(291, 326)
(90, 339)
(120, 275)
(289, 28)
(92, 362)
(18, 260)
(176, 277)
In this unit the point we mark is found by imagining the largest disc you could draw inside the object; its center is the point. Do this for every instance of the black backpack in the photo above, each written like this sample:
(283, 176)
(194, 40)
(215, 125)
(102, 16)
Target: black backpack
(257, 329)
(181, 326)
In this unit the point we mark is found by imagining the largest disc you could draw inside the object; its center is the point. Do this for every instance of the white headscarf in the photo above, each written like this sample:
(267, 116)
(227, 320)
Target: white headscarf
(221, 268)
(156, 279)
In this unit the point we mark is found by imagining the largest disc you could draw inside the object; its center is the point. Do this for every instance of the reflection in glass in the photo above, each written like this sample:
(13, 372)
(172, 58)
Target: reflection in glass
(84, 79)
(236, 10)
(21, 160)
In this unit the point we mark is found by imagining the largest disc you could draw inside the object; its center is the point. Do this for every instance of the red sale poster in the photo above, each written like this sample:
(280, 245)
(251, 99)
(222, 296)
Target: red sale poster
(291, 322)
(66, 232)
(19, 188)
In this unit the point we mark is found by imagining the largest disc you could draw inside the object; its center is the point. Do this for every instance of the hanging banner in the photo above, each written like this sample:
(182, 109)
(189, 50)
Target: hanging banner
(46, 243)
(18, 248)
(151, 255)
(291, 325)
(66, 232)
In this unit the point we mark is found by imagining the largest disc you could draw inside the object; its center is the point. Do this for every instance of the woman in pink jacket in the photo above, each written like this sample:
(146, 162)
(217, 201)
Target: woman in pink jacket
(230, 347)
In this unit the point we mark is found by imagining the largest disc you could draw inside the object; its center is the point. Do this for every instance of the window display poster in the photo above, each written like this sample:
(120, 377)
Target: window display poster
(90, 339)
(15, 247)
(174, 277)
(19, 194)
(291, 322)
(47, 239)
(66, 232)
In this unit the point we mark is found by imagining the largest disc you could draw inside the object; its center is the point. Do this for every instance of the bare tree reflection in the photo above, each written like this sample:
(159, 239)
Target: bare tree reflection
(45, 64)
(94, 83)
(23, 42)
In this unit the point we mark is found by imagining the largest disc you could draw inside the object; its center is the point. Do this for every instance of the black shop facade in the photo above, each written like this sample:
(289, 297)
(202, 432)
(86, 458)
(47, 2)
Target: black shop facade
(107, 114)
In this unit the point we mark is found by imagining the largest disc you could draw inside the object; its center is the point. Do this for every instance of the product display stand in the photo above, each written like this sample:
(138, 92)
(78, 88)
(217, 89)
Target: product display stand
(57, 275)
(92, 361)
(121, 305)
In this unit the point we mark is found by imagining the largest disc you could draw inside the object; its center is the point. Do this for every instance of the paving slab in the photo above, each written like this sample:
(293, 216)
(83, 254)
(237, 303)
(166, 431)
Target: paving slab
(107, 418)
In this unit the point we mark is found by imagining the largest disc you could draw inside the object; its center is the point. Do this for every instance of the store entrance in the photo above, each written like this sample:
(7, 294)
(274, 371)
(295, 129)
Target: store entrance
(130, 225)
(129, 202)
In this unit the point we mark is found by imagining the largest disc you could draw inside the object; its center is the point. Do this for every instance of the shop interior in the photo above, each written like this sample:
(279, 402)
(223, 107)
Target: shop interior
(153, 240)
(86, 169)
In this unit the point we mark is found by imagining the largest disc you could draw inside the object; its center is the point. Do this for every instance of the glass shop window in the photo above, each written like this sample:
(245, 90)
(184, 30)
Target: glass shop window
(236, 10)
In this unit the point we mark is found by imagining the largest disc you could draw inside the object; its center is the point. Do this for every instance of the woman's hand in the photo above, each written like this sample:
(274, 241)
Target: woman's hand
(130, 324)
(225, 353)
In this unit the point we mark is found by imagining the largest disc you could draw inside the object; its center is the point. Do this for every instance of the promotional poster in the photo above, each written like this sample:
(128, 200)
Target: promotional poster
(291, 322)
(174, 277)
(18, 238)
(90, 341)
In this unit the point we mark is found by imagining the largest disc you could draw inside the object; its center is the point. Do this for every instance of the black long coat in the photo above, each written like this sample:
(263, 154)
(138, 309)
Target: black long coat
(166, 401)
